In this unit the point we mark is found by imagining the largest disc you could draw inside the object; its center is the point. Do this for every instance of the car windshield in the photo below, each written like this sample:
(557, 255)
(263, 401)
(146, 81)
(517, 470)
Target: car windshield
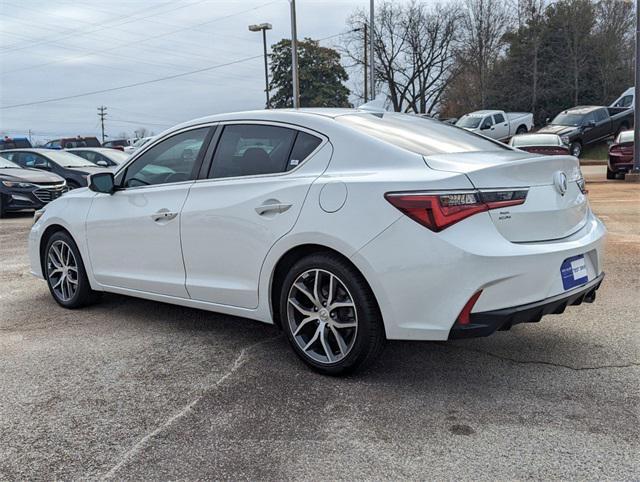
(566, 119)
(6, 163)
(67, 159)
(419, 135)
(469, 121)
(116, 156)
(536, 140)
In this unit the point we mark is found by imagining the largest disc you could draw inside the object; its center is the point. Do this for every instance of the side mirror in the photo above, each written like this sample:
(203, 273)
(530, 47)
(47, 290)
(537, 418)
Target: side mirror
(102, 182)
(42, 165)
(547, 120)
(591, 123)
(102, 163)
(484, 127)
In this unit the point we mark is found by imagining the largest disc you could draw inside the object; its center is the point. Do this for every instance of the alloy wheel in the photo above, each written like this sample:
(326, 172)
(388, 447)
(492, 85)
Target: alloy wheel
(322, 316)
(62, 270)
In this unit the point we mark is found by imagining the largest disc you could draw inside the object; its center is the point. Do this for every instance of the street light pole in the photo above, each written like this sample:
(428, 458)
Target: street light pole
(294, 56)
(372, 31)
(257, 28)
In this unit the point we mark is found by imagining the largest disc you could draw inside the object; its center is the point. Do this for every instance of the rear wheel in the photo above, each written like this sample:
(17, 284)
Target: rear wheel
(65, 272)
(575, 148)
(330, 315)
(521, 130)
(610, 174)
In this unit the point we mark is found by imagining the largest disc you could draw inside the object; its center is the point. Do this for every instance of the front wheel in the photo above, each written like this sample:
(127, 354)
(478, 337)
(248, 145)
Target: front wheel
(65, 272)
(330, 315)
(3, 211)
(576, 149)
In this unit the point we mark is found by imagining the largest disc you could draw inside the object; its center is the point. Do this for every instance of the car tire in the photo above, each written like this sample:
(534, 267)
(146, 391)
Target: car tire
(521, 130)
(333, 342)
(3, 211)
(610, 174)
(72, 185)
(576, 149)
(65, 272)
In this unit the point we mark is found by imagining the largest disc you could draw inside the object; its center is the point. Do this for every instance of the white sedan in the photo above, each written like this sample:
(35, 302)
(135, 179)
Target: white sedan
(345, 228)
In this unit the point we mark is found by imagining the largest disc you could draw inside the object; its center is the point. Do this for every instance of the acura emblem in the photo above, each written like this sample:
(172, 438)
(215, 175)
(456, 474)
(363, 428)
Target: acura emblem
(560, 181)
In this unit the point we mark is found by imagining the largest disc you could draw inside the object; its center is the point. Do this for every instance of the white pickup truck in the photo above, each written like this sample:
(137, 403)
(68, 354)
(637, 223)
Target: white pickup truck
(497, 124)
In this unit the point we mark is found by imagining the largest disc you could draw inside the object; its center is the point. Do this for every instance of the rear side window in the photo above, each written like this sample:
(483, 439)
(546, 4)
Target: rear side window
(305, 144)
(499, 118)
(251, 150)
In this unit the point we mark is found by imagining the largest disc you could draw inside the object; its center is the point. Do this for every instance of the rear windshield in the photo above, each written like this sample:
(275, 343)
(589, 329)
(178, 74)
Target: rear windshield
(418, 134)
(536, 140)
(625, 136)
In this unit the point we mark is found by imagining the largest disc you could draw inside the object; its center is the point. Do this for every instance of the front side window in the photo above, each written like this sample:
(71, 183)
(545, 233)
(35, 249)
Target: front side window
(29, 159)
(251, 150)
(172, 160)
(487, 123)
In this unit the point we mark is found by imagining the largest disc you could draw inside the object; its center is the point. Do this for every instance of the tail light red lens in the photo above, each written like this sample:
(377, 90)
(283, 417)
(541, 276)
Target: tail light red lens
(441, 210)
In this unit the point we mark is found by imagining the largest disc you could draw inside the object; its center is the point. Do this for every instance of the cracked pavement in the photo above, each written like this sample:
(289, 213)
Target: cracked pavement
(132, 389)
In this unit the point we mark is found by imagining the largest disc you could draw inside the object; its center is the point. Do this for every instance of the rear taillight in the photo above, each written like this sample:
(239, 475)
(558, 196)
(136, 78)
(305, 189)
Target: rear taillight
(438, 211)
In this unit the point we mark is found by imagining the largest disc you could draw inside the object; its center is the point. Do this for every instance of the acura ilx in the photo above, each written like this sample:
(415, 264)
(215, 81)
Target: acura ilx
(343, 227)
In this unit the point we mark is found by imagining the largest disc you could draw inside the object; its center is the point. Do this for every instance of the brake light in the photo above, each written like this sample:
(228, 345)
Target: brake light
(441, 210)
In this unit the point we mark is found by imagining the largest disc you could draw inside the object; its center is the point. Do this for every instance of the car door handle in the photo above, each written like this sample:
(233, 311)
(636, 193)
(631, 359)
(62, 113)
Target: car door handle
(163, 215)
(272, 206)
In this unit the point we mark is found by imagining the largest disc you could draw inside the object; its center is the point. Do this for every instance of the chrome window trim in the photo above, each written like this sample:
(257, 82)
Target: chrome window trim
(324, 140)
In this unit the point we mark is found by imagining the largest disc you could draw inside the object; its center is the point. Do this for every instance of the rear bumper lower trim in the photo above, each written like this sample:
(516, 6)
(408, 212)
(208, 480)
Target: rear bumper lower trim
(487, 322)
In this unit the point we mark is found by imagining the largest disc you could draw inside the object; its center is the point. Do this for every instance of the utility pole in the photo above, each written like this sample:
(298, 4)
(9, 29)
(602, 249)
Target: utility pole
(372, 34)
(634, 174)
(366, 82)
(294, 56)
(30, 141)
(102, 113)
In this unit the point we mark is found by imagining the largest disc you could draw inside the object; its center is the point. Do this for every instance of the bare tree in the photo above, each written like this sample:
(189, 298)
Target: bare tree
(413, 52)
(484, 23)
(614, 43)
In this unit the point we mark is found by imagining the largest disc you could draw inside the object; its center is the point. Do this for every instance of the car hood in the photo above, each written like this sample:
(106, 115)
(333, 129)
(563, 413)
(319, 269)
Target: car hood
(89, 169)
(35, 176)
(559, 130)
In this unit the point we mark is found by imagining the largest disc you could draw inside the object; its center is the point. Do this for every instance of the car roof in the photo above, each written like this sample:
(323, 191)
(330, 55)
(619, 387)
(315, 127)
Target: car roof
(96, 149)
(584, 109)
(484, 112)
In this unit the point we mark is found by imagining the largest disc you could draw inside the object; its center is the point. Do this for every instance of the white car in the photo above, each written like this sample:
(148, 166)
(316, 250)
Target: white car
(100, 156)
(497, 124)
(345, 228)
(135, 144)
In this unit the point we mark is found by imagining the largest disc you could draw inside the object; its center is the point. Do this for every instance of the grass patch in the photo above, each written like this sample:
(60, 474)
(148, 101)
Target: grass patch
(596, 152)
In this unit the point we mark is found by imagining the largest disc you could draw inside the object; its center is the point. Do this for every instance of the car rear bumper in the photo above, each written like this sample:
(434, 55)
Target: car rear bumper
(423, 280)
(621, 166)
(486, 323)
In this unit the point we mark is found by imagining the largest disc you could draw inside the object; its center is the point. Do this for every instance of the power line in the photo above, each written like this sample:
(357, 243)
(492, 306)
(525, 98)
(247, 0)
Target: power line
(135, 84)
(145, 82)
(103, 25)
(137, 41)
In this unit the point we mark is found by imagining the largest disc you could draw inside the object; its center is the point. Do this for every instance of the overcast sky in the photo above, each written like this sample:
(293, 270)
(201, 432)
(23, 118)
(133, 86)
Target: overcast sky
(58, 48)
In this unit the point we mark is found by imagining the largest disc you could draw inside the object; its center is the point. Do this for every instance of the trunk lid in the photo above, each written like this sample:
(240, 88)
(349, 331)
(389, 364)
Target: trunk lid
(548, 213)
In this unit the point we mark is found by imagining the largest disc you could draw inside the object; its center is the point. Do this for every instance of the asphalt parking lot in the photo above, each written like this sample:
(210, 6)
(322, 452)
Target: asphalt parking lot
(131, 389)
